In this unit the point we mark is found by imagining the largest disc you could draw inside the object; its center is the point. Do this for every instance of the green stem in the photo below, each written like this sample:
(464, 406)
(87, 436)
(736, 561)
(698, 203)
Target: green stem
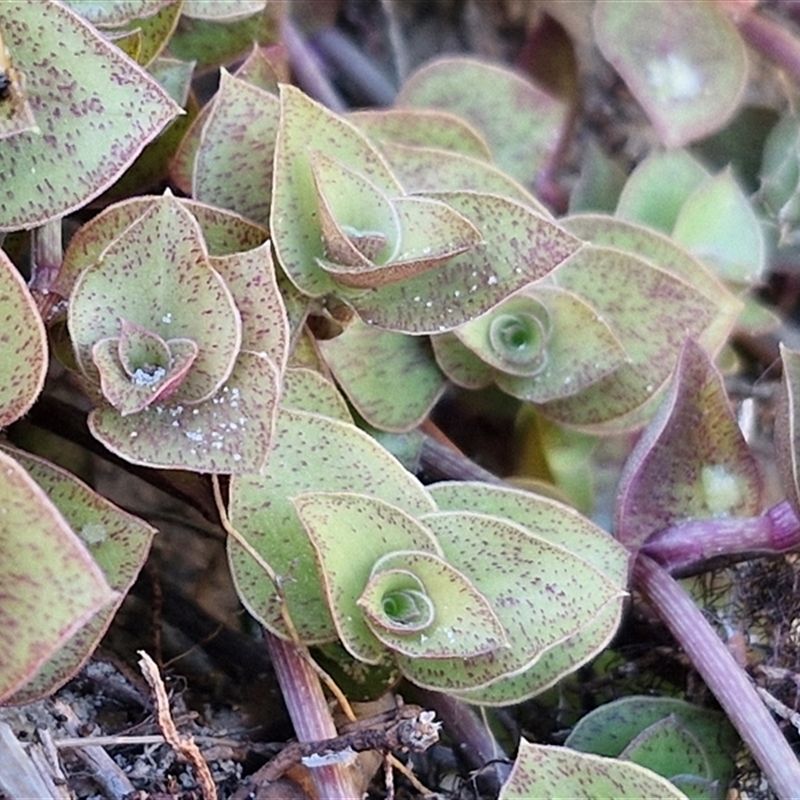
(722, 675)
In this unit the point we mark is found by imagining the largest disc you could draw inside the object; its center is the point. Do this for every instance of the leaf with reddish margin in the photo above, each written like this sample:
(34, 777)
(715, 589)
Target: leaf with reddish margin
(518, 247)
(520, 121)
(460, 364)
(23, 345)
(51, 584)
(691, 462)
(391, 379)
(118, 542)
(787, 430)
(233, 162)
(684, 62)
(548, 771)
(116, 12)
(81, 149)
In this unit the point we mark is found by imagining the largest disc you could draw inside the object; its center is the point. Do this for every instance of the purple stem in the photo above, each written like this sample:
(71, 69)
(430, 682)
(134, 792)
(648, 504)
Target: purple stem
(772, 40)
(683, 548)
(310, 715)
(722, 675)
(307, 68)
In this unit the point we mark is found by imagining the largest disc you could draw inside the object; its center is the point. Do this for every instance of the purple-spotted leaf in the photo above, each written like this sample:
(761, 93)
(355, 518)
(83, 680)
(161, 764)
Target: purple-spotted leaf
(116, 540)
(250, 277)
(391, 379)
(460, 364)
(426, 169)
(419, 606)
(178, 295)
(651, 312)
(51, 584)
(719, 226)
(230, 432)
(222, 9)
(223, 231)
(81, 149)
(233, 162)
(307, 390)
(350, 533)
(309, 452)
(422, 128)
(668, 748)
(684, 62)
(548, 771)
(542, 593)
(691, 462)
(520, 121)
(305, 127)
(518, 247)
(787, 427)
(23, 345)
(116, 12)
(658, 187)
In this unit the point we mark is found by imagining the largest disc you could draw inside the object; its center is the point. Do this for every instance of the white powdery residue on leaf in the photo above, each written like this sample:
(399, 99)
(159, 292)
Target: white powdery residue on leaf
(674, 78)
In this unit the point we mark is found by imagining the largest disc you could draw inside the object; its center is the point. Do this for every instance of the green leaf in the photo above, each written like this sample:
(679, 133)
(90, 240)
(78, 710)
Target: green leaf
(224, 233)
(542, 593)
(520, 122)
(390, 378)
(23, 345)
(309, 453)
(599, 185)
(659, 186)
(349, 533)
(305, 127)
(114, 12)
(117, 541)
(719, 225)
(417, 605)
(72, 77)
(691, 462)
(233, 162)
(177, 295)
(307, 390)
(780, 174)
(519, 247)
(787, 430)
(222, 9)
(51, 584)
(460, 364)
(154, 32)
(651, 312)
(550, 771)
(421, 128)
(685, 63)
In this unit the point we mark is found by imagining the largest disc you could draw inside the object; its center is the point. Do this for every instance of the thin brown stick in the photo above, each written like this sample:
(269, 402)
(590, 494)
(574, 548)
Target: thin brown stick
(184, 746)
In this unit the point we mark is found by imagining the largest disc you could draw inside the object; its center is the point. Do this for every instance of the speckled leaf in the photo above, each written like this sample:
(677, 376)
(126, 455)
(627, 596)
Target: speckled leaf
(82, 149)
(651, 311)
(222, 9)
(684, 62)
(118, 542)
(230, 432)
(520, 122)
(51, 584)
(425, 169)
(549, 771)
(718, 225)
(423, 128)
(116, 12)
(658, 187)
(459, 363)
(691, 462)
(23, 345)
(349, 533)
(177, 295)
(391, 379)
(250, 277)
(787, 427)
(224, 233)
(542, 593)
(233, 163)
(459, 621)
(309, 452)
(611, 728)
(518, 247)
(307, 390)
(306, 126)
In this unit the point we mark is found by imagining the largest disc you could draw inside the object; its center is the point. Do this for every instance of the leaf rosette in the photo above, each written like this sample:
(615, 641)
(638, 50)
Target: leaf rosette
(182, 349)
